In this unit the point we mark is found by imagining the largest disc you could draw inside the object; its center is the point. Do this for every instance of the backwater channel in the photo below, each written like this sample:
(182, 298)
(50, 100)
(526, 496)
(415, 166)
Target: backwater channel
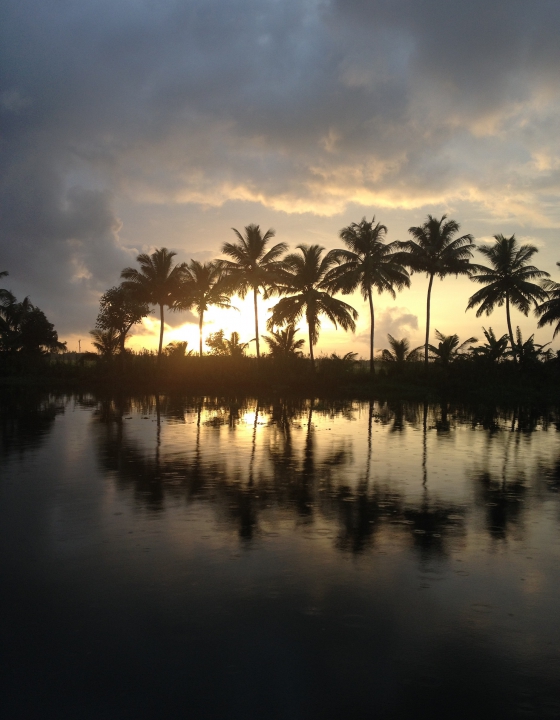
(166, 557)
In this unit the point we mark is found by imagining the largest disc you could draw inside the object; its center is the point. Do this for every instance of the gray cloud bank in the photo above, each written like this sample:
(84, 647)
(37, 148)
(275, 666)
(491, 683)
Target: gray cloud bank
(301, 106)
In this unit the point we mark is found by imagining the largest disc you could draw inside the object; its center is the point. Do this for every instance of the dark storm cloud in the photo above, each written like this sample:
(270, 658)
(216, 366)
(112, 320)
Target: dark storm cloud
(298, 105)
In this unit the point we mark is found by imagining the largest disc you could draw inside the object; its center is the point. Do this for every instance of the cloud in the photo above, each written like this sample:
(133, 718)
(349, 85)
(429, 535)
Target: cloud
(300, 107)
(395, 321)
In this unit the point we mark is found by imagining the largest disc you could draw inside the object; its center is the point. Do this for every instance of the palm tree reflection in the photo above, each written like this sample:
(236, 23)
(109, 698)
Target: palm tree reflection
(293, 467)
(26, 419)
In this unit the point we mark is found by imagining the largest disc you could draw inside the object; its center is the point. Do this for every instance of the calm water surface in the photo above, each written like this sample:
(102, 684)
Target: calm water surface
(197, 558)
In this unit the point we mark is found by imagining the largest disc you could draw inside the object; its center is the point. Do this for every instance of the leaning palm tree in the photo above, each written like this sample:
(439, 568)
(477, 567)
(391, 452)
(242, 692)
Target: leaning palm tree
(549, 310)
(368, 263)
(158, 282)
(436, 251)
(507, 280)
(304, 282)
(252, 266)
(449, 347)
(400, 351)
(282, 343)
(203, 286)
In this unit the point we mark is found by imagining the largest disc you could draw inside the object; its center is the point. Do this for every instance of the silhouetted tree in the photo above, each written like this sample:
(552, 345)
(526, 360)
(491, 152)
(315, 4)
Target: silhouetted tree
(252, 266)
(106, 342)
(549, 310)
(177, 349)
(120, 310)
(400, 351)
(304, 282)
(158, 282)
(448, 348)
(368, 263)
(24, 328)
(203, 287)
(436, 251)
(282, 343)
(5, 295)
(529, 352)
(222, 346)
(494, 350)
(507, 280)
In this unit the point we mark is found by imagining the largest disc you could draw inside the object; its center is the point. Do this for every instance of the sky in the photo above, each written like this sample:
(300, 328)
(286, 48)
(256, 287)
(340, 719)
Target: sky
(134, 124)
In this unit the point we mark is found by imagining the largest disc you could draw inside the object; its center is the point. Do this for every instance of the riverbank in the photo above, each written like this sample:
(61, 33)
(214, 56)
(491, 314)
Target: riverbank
(467, 381)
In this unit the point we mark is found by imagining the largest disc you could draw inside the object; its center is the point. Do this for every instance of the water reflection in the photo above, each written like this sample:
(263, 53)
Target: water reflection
(249, 457)
(26, 418)
(267, 557)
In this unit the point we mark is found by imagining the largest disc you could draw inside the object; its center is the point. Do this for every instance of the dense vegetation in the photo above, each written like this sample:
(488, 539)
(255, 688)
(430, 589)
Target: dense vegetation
(306, 282)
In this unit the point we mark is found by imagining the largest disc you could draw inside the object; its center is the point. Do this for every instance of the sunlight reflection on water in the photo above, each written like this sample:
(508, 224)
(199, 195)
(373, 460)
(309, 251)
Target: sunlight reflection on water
(295, 558)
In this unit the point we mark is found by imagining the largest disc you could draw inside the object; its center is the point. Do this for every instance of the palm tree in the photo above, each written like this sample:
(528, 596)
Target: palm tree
(106, 342)
(436, 251)
(158, 282)
(508, 280)
(252, 267)
(282, 343)
(177, 349)
(449, 347)
(234, 348)
(203, 286)
(400, 351)
(549, 310)
(304, 281)
(368, 263)
(529, 352)
(494, 350)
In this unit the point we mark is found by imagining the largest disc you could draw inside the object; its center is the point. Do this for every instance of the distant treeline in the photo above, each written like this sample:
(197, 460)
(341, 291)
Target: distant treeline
(306, 282)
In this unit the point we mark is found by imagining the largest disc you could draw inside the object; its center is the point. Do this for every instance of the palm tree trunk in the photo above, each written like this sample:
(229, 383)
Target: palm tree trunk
(372, 330)
(255, 294)
(428, 320)
(160, 329)
(200, 321)
(510, 331)
(311, 347)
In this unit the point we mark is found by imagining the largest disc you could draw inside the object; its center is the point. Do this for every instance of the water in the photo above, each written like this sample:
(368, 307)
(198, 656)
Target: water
(194, 558)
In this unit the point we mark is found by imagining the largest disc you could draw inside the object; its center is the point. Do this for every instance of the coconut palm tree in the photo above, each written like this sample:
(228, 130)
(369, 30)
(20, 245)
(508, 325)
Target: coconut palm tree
(177, 349)
(158, 282)
(368, 263)
(304, 281)
(203, 286)
(234, 348)
(449, 347)
(282, 343)
(106, 342)
(400, 351)
(529, 352)
(252, 266)
(549, 310)
(507, 280)
(436, 251)
(494, 349)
